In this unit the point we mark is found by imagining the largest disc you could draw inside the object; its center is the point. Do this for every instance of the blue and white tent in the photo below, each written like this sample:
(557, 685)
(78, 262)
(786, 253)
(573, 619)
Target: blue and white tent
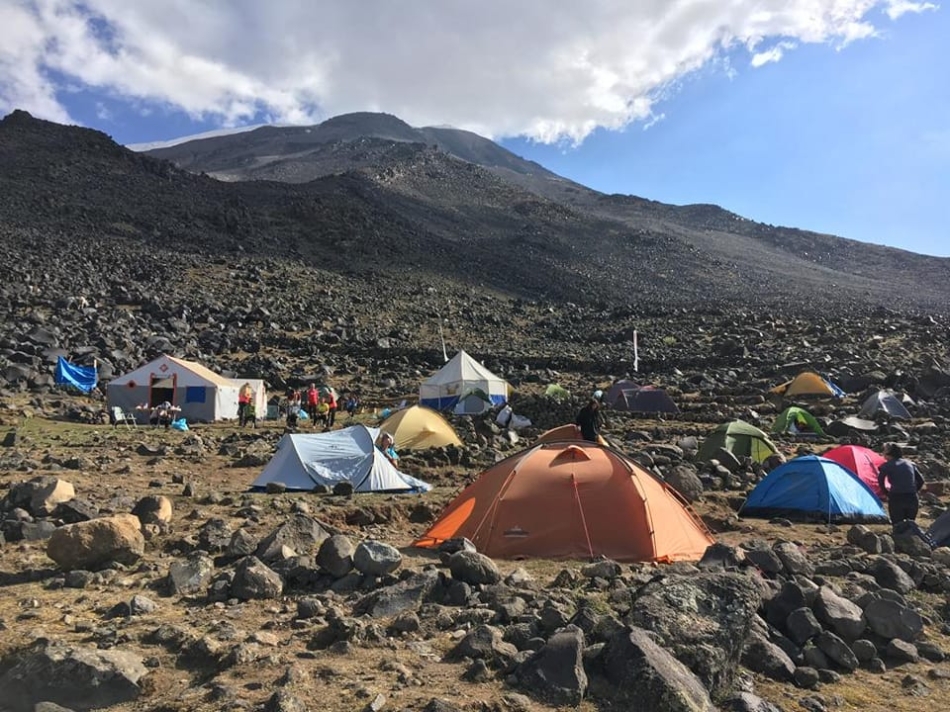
(304, 460)
(457, 379)
(813, 487)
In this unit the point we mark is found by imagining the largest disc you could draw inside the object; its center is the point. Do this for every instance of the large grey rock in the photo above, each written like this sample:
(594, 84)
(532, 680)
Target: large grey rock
(81, 678)
(837, 650)
(555, 673)
(336, 555)
(765, 560)
(702, 619)
(793, 558)
(802, 625)
(473, 568)
(890, 575)
(89, 545)
(215, 535)
(780, 606)
(484, 642)
(684, 480)
(407, 595)
(375, 558)
(864, 538)
(890, 619)
(644, 676)
(190, 575)
(838, 613)
(254, 579)
(300, 534)
(762, 656)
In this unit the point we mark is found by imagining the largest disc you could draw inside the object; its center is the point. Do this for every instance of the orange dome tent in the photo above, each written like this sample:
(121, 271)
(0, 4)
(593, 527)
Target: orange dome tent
(572, 500)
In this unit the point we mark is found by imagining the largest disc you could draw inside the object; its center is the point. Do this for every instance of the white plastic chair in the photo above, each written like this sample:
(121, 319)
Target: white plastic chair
(120, 416)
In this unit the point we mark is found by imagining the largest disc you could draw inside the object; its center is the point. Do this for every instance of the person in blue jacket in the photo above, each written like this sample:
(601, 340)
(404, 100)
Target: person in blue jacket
(902, 481)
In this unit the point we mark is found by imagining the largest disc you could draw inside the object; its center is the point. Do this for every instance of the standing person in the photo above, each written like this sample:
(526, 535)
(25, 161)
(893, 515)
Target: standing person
(905, 482)
(588, 420)
(244, 401)
(331, 408)
(313, 400)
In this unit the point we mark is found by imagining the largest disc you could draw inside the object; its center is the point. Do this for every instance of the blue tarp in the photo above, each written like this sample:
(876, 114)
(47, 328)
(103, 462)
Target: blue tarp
(83, 378)
(817, 488)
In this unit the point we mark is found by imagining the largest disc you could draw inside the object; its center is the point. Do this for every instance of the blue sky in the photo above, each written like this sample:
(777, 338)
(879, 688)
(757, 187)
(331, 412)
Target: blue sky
(832, 116)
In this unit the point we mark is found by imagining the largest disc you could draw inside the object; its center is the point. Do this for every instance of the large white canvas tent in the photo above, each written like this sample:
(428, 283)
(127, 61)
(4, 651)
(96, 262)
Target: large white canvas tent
(202, 394)
(458, 379)
(304, 460)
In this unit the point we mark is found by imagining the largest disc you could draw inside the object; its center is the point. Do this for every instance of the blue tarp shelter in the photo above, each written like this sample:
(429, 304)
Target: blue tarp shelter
(305, 460)
(83, 378)
(813, 487)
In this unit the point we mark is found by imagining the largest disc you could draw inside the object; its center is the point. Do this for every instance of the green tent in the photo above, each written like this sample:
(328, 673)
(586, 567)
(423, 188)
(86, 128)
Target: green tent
(557, 392)
(739, 438)
(803, 421)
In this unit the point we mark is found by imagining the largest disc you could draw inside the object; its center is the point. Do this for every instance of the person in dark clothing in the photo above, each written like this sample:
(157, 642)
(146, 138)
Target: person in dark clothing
(588, 420)
(905, 482)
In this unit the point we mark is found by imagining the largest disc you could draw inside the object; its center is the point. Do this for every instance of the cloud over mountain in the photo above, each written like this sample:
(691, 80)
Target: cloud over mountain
(548, 69)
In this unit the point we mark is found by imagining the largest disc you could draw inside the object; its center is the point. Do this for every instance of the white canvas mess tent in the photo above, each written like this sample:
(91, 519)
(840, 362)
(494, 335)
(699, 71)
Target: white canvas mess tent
(202, 394)
(461, 378)
(304, 460)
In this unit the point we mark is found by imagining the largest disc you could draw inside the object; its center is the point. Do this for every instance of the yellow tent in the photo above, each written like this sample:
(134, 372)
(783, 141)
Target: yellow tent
(418, 428)
(806, 383)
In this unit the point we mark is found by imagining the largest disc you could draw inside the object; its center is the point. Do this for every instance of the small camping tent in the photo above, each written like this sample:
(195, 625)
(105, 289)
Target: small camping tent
(562, 433)
(418, 428)
(862, 461)
(616, 390)
(202, 394)
(813, 487)
(646, 399)
(304, 460)
(458, 378)
(939, 531)
(796, 420)
(564, 500)
(473, 402)
(808, 383)
(883, 402)
(738, 438)
(557, 392)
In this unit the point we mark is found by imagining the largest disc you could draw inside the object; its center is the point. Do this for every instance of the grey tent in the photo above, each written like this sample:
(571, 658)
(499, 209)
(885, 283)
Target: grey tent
(883, 402)
(939, 531)
(645, 399)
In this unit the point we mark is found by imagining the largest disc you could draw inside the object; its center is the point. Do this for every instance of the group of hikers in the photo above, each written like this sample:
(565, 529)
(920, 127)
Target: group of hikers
(320, 404)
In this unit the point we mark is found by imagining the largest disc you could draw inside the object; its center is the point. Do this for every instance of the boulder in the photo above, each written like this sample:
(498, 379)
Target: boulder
(92, 544)
(802, 625)
(684, 480)
(837, 650)
(645, 676)
(191, 575)
(473, 568)
(154, 509)
(40, 495)
(747, 702)
(407, 595)
(80, 677)
(300, 534)
(839, 614)
(254, 579)
(891, 619)
(375, 558)
(762, 656)
(555, 673)
(890, 575)
(793, 558)
(335, 555)
(484, 642)
(702, 619)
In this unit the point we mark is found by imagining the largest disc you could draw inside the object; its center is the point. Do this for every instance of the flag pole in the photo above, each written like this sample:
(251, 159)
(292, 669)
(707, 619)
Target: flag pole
(636, 355)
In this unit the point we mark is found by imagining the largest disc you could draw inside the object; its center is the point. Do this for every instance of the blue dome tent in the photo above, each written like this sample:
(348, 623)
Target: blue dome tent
(814, 488)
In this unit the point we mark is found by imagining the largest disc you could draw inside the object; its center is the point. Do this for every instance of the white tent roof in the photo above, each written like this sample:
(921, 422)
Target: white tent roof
(461, 367)
(886, 401)
(349, 455)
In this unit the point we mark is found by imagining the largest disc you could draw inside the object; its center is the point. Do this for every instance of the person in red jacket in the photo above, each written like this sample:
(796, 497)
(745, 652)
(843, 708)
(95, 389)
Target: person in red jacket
(330, 400)
(313, 400)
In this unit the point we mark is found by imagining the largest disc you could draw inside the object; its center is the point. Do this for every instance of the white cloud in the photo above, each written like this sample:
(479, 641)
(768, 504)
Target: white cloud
(552, 70)
(896, 8)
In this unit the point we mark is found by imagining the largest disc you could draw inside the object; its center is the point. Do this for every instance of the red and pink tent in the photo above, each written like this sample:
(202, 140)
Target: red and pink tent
(862, 461)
